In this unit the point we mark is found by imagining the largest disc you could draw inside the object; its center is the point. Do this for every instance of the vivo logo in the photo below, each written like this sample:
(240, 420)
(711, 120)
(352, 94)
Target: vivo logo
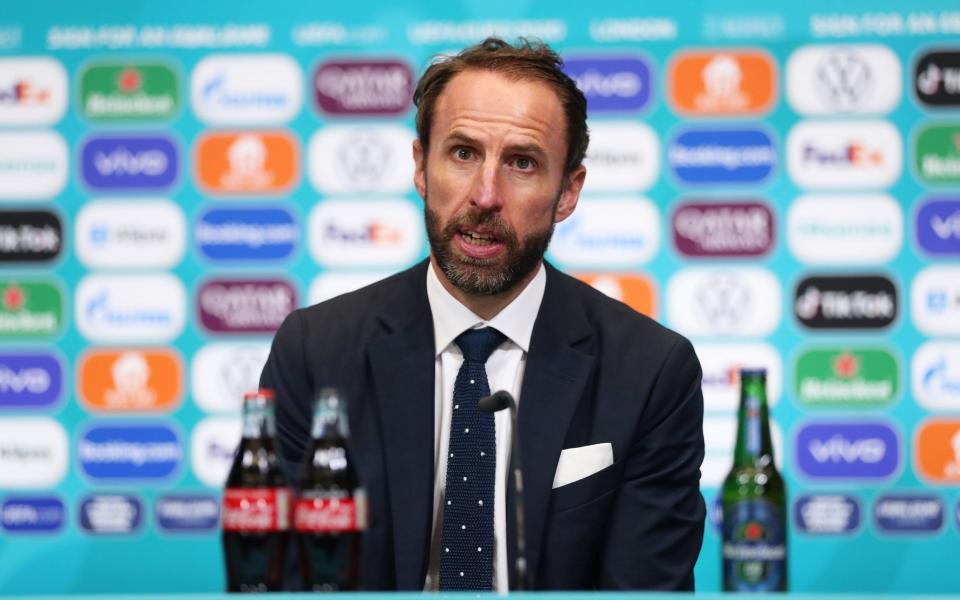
(938, 227)
(346, 159)
(221, 373)
(246, 89)
(622, 157)
(611, 83)
(32, 514)
(844, 155)
(847, 450)
(609, 232)
(212, 446)
(134, 234)
(363, 87)
(111, 514)
(129, 163)
(377, 233)
(246, 234)
(853, 79)
(130, 308)
(831, 230)
(129, 452)
(30, 380)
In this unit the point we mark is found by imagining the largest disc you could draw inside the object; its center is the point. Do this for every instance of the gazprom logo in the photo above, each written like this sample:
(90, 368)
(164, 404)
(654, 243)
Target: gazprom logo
(611, 83)
(848, 450)
(129, 452)
(32, 514)
(241, 234)
(710, 156)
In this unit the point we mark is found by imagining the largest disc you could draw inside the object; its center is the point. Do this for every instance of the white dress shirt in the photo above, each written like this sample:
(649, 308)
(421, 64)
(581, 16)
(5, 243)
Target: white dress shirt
(504, 372)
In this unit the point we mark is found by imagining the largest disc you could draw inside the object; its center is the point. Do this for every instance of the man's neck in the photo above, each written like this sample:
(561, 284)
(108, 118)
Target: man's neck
(485, 307)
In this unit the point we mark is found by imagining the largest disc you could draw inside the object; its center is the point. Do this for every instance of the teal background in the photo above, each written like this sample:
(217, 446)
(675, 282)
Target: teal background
(72, 561)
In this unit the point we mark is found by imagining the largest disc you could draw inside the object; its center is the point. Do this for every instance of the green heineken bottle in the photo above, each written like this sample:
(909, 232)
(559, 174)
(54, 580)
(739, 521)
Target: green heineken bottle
(754, 500)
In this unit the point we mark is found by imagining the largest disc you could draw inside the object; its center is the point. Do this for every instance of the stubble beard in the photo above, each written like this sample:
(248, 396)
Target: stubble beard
(485, 276)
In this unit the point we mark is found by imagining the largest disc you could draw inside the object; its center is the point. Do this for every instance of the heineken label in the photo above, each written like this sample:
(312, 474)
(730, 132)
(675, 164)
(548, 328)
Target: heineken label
(30, 309)
(937, 156)
(754, 547)
(847, 377)
(128, 91)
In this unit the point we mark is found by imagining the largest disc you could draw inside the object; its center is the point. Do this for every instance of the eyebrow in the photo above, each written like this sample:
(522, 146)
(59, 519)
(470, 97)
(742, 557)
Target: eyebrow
(532, 149)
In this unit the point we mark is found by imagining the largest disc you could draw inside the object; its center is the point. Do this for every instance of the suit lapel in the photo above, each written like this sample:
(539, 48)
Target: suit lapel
(402, 364)
(557, 369)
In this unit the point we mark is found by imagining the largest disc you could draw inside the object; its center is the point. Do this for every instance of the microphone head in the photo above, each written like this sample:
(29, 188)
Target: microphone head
(496, 401)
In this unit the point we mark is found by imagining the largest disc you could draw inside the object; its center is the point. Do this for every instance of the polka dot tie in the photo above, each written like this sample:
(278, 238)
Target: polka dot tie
(466, 548)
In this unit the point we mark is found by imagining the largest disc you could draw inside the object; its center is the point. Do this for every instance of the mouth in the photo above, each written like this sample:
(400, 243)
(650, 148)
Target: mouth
(475, 238)
(479, 244)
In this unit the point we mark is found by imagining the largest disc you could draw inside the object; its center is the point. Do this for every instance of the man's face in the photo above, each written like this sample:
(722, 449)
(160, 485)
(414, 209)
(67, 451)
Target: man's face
(492, 179)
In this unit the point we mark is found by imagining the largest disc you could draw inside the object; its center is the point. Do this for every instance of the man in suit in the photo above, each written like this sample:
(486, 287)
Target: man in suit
(610, 408)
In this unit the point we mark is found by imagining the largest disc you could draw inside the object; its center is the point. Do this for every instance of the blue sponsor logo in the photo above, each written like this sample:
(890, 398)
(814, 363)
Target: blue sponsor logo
(611, 84)
(111, 513)
(129, 163)
(183, 513)
(854, 450)
(30, 380)
(129, 452)
(32, 514)
(247, 234)
(826, 514)
(938, 226)
(914, 513)
(709, 156)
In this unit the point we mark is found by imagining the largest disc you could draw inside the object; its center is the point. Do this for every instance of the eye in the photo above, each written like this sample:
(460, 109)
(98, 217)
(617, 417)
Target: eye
(524, 163)
(463, 153)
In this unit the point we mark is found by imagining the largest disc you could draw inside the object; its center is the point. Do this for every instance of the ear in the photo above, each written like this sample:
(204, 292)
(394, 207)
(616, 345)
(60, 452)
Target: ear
(420, 169)
(570, 194)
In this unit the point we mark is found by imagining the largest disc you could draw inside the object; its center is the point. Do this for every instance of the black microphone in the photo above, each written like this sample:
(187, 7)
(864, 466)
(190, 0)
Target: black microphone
(495, 402)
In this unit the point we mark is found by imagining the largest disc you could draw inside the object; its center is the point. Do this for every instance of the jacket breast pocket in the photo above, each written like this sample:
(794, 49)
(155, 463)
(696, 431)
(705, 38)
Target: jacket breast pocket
(585, 490)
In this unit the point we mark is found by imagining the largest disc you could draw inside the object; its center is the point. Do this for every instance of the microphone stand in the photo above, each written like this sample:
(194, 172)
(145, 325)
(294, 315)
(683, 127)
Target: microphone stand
(495, 403)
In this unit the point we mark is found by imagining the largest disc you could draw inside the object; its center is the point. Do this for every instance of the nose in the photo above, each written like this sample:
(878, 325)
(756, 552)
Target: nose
(486, 193)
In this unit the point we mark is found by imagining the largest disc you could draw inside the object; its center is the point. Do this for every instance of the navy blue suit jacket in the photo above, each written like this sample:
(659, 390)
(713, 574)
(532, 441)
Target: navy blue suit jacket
(596, 372)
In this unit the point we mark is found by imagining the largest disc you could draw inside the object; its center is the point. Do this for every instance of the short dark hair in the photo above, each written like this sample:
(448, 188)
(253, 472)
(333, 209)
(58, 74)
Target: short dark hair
(528, 60)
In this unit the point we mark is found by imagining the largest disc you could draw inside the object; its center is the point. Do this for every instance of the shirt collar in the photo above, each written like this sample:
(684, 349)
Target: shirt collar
(451, 318)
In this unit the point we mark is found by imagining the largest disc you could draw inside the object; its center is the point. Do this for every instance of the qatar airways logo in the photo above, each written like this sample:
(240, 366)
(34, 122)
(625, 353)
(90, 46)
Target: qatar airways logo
(371, 87)
(245, 305)
(715, 229)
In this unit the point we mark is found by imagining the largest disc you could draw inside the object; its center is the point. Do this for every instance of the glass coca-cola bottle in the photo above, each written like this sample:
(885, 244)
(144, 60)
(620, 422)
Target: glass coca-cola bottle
(330, 513)
(256, 504)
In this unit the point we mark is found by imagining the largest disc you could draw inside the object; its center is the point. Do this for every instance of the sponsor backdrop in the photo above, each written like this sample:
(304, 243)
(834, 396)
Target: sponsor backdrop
(782, 187)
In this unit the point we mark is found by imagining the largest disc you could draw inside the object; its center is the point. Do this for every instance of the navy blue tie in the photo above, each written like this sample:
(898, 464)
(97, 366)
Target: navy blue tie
(467, 544)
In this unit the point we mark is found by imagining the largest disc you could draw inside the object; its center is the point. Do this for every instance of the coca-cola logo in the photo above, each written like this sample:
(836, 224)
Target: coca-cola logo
(383, 87)
(330, 515)
(256, 509)
(245, 305)
(723, 229)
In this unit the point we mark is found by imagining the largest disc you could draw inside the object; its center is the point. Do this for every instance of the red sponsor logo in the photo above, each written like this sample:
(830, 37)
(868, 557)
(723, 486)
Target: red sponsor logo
(256, 509)
(330, 515)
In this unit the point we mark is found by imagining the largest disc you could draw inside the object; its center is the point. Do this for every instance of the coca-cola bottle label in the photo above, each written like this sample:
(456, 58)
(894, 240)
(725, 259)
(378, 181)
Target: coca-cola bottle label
(256, 509)
(325, 514)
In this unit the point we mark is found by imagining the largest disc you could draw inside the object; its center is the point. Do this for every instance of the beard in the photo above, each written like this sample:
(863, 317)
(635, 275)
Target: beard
(484, 276)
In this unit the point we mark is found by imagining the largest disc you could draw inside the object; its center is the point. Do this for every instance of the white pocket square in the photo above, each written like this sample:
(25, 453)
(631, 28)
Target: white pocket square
(577, 463)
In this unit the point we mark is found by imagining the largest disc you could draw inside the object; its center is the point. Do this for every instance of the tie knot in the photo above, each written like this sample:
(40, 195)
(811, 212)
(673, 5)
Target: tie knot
(478, 344)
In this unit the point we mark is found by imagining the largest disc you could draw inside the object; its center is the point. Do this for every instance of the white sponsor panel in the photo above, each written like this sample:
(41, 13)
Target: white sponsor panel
(359, 233)
(221, 373)
(731, 302)
(212, 446)
(330, 285)
(855, 79)
(845, 230)
(608, 232)
(130, 234)
(719, 439)
(844, 154)
(623, 157)
(33, 91)
(935, 300)
(33, 165)
(935, 375)
(131, 308)
(345, 159)
(721, 365)
(34, 453)
(246, 89)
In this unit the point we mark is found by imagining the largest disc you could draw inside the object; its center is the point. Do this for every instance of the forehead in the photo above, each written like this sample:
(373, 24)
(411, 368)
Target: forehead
(492, 103)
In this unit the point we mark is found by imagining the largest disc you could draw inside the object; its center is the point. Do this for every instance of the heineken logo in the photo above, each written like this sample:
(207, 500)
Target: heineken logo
(847, 378)
(937, 156)
(124, 91)
(29, 309)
